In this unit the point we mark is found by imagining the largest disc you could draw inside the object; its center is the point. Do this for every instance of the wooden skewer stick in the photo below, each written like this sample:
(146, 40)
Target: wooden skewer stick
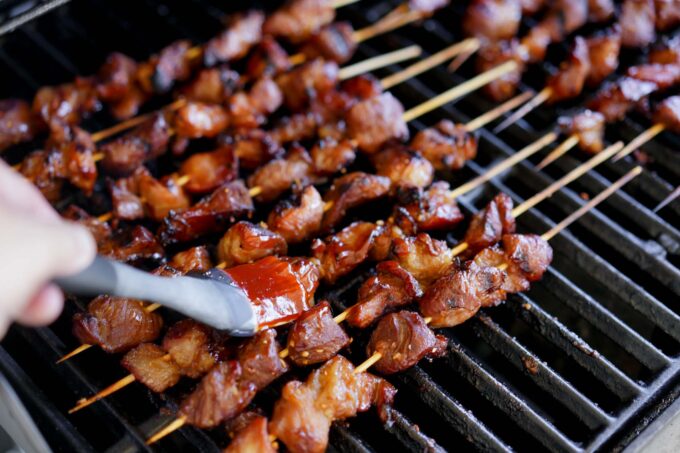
(496, 112)
(375, 357)
(470, 126)
(540, 98)
(380, 61)
(669, 199)
(387, 24)
(640, 140)
(558, 152)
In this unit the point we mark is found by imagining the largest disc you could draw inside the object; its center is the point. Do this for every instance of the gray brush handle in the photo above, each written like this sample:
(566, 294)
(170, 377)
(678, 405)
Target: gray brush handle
(213, 300)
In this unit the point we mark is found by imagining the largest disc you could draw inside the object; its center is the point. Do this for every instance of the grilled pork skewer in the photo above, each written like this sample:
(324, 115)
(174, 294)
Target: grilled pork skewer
(364, 313)
(298, 405)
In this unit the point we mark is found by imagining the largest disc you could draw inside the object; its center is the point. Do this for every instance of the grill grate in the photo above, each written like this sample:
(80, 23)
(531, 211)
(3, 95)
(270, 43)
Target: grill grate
(580, 363)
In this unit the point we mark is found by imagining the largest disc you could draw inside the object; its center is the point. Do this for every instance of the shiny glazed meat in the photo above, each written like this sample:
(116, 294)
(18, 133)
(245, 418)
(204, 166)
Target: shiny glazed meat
(447, 145)
(245, 242)
(426, 209)
(376, 121)
(299, 218)
(350, 191)
(315, 337)
(490, 224)
(149, 364)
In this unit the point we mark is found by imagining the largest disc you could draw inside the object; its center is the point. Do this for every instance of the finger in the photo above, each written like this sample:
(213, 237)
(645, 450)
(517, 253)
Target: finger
(66, 248)
(44, 308)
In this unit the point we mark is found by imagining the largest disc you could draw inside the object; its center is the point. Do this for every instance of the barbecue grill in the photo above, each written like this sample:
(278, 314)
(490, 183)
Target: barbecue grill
(583, 362)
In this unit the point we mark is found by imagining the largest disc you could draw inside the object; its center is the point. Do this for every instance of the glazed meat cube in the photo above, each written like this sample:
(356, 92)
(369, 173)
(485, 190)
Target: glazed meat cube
(427, 209)
(663, 75)
(667, 14)
(588, 126)
(212, 85)
(306, 82)
(66, 105)
(249, 110)
(458, 295)
(447, 145)
(297, 127)
(195, 259)
(279, 175)
(259, 359)
(404, 167)
(298, 218)
(125, 154)
(425, 258)
(637, 23)
(207, 171)
(498, 53)
(403, 339)
(574, 13)
(568, 82)
(350, 191)
(149, 364)
(46, 171)
(210, 215)
(533, 46)
(330, 156)
(161, 197)
(17, 123)
(600, 10)
(428, 6)
(298, 20)
(194, 347)
(172, 64)
(197, 119)
(132, 245)
(668, 113)
(391, 288)
(241, 34)
(333, 42)
(116, 324)
(343, 252)
(245, 242)
(492, 20)
(267, 60)
(615, 100)
(253, 438)
(490, 224)
(255, 147)
(116, 77)
(376, 121)
(315, 337)
(603, 51)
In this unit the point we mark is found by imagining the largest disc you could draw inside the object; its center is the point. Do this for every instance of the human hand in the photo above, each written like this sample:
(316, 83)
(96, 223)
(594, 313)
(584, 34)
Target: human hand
(36, 245)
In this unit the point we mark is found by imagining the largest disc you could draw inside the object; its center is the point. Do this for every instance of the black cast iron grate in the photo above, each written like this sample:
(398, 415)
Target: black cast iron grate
(580, 363)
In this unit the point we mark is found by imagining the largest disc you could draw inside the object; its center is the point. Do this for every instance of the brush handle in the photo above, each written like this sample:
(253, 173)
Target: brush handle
(212, 299)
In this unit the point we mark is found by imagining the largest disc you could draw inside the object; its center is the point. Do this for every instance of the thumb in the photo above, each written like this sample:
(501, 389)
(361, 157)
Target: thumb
(68, 249)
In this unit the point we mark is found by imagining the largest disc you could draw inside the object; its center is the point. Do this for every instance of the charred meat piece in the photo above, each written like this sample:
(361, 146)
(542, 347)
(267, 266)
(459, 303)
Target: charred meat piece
(333, 42)
(129, 105)
(212, 85)
(530, 7)
(125, 154)
(427, 209)
(600, 10)
(116, 324)
(297, 127)
(667, 14)
(240, 35)
(249, 110)
(603, 51)
(17, 123)
(666, 52)
(194, 347)
(303, 415)
(490, 224)
(588, 126)
(298, 218)
(207, 171)
(75, 149)
(534, 44)
(127, 204)
(245, 242)
(253, 438)
(254, 148)
(458, 295)
(498, 53)
(574, 13)
(267, 60)
(306, 82)
(447, 145)
(210, 215)
(197, 119)
(281, 289)
(195, 259)
(615, 100)
(492, 20)
(141, 194)
(149, 364)
(46, 171)
(403, 339)
(404, 167)
(637, 23)
(668, 113)
(425, 258)
(376, 121)
(344, 251)
(132, 245)
(391, 288)
(66, 105)
(116, 77)
(330, 156)
(298, 20)
(315, 337)
(570, 78)
(172, 64)
(352, 190)
(663, 75)
(362, 87)
(259, 359)
(221, 395)
(279, 175)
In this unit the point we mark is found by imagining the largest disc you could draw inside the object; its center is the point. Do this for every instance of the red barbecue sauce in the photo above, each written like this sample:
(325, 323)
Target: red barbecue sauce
(281, 288)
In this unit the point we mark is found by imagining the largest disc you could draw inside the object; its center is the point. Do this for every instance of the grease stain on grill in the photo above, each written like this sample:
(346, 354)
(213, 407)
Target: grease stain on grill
(530, 364)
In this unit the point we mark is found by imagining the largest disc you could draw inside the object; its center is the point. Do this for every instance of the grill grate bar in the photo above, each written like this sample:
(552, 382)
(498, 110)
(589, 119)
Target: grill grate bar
(589, 413)
(57, 55)
(503, 398)
(605, 321)
(409, 435)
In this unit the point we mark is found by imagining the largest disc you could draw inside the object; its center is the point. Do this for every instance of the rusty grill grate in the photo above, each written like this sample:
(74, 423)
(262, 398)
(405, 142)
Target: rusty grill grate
(580, 363)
